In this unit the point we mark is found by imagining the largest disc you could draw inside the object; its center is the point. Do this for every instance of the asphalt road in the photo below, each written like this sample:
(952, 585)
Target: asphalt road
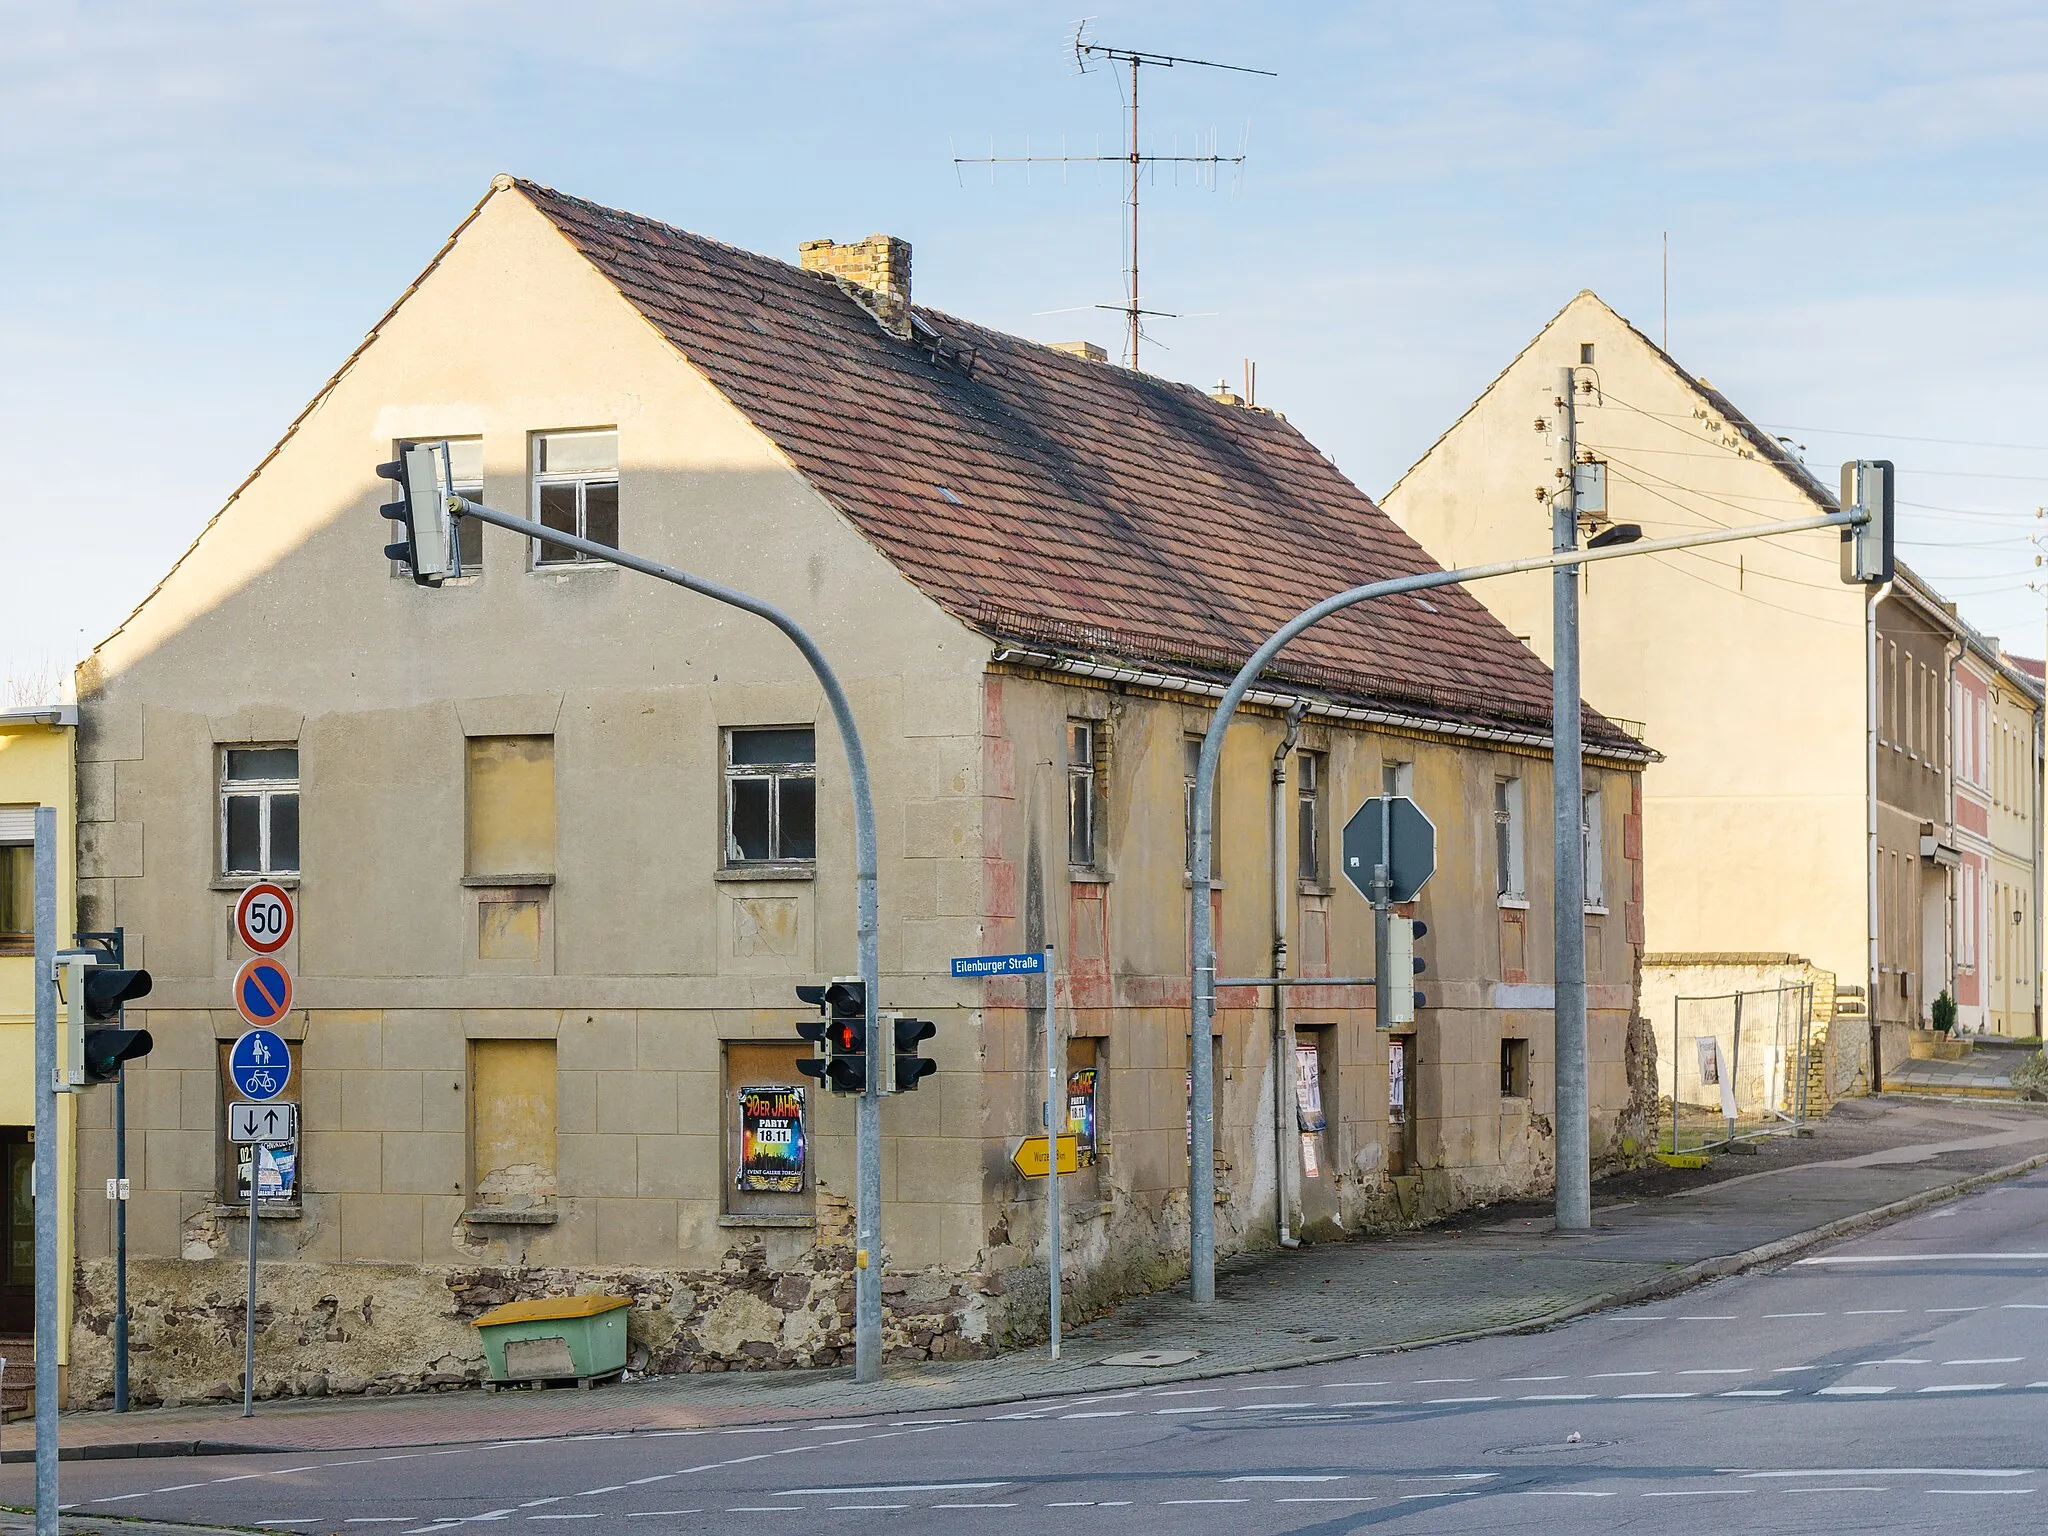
(1897, 1381)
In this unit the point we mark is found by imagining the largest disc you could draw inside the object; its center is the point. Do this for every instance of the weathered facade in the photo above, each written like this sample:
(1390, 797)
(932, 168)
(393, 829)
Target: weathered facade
(563, 838)
(1994, 755)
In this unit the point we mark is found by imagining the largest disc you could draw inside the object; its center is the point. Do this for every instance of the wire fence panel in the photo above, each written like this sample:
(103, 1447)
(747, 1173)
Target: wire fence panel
(1740, 1063)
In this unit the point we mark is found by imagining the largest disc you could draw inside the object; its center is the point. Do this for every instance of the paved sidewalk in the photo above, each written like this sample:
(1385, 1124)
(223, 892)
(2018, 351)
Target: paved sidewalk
(1655, 1231)
(1985, 1073)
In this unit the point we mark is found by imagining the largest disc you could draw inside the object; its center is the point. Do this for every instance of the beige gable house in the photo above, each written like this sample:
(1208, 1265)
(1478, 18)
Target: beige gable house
(1747, 666)
(563, 839)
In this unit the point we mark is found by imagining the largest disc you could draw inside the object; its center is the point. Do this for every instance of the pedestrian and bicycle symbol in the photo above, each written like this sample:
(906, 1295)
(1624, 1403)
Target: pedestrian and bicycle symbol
(260, 1064)
(263, 991)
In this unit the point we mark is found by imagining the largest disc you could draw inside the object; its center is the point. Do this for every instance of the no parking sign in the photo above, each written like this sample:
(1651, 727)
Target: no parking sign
(263, 991)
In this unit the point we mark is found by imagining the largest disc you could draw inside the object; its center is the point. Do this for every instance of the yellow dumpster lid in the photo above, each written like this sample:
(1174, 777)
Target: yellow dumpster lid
(550, 1307)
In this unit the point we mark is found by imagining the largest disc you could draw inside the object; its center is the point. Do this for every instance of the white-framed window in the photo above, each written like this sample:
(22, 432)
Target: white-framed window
(1398, 778)
(466, 465)
(1308, 790)
(1593, 850)
(576, 491)
(771, 795)
(1191, 762)
(17, 880)
(259, 810)
(1081, 792)
(1508, 841)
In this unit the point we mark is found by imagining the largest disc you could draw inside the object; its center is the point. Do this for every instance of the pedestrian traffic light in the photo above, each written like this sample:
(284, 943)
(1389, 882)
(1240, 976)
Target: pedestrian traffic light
(1403, 965)
(93, 998)
(1867, 547)
(423, 476)
(841, 1033)
(900, 1066)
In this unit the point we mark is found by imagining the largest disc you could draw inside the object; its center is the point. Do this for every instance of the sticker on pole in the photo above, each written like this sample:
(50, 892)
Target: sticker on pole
(264, 918)
(263, 990)
(260, 1063)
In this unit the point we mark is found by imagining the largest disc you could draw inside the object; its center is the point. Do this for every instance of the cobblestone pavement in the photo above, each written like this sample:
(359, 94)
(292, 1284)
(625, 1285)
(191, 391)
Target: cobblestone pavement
(1489, 1270)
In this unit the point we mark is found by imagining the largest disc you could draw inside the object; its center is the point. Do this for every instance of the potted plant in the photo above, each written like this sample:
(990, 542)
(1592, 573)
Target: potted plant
(1944, 1013)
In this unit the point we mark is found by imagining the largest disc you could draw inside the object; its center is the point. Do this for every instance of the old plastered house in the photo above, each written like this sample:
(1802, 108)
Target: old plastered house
(563, 838)
(1748, 666)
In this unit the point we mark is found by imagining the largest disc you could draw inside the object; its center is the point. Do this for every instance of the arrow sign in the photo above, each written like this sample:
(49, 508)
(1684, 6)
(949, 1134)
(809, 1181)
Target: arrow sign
(1030, 1157)
(269, 1125)
(1414, 846)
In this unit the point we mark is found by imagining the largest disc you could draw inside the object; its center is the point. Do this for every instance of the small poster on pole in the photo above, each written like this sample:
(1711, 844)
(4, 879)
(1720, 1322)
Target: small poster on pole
(771, 1140)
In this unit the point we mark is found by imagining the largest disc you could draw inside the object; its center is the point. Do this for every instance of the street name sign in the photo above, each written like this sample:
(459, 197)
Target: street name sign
(1031, 964)
(260, 1064)
(1031, 1160)
(1413, 856)
(263, 991)
(264, 918)
(269, 1125)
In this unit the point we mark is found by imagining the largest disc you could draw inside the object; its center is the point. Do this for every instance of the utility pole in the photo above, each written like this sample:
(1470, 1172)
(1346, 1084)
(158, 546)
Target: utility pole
(1567, 777)
(1134, 161)
(49, 1283)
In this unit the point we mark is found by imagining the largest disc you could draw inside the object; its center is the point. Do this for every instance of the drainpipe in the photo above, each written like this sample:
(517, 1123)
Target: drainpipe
(1286, 1148)
(1870, 701)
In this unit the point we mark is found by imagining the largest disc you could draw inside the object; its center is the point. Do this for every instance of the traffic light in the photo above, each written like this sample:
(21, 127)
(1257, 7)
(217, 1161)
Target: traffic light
(93, 998)
(1867, 548)
(423, 476)
(1403, 966)
(841, 1033)
(901, 1068)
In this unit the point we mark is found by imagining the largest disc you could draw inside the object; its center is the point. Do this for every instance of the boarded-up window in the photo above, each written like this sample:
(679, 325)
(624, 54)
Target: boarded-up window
(768, 1130)
(512, 1124)
(511, 807)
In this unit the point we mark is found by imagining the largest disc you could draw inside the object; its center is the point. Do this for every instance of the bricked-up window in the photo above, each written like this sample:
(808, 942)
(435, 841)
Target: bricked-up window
(1308, 790)
(576, 491)
(509, 812)
(234, 1160)
(771, 796)
(259, 810)
(1081, 791)
(466, 464)
(1514, 1069)
(769, 1134)
(1508, 840)
(1593, 850)
(512, 1098)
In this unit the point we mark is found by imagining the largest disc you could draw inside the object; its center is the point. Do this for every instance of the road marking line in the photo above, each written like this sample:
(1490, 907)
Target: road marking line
(1555, 1397)
(590, 1493)
(1968, 1386)
(1327, 1498)
(1611, 1375)
(1719, 1370)
(1445, 1381)
(1977, 1490)
(1787, 1370)
(1988, 1359)
(566, 1517)
(1910, 1258)
(1768, 1316)
(1310, 1418)
(1335, 1385)
(1955, 1309)
(1889, 1472)
(1840, 1488)
(1452, 1493)
(1438, 1402)
(1632, 1397)
(1164, 1502)
(1877, 1312)
(1853, 1391)
(1277, 1477)
(1073, 1504)
(1256, 1407)
(762, 1509)
(1378, 1403)
(1761, 1392)
(791, 1493)
(653, 1514)
(287, 1522)
(1198, 1391)
(875, 1506)
(1905, 1360)
(1698, 1493)
(2025, 1306)
(1117, 1413)
(1535, 1378)
(1559, 1493)
(1265, 1389)
(1200, 1408)
(1707, 1319)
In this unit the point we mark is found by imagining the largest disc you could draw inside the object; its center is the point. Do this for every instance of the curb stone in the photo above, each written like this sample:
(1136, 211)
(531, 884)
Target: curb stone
(1698, 1273)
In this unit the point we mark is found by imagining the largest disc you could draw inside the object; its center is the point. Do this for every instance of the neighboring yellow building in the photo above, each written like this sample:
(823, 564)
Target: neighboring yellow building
(36, 768)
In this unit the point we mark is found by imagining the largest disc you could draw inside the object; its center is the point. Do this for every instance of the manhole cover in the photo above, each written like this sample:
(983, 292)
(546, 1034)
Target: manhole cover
(1152, 1357)
(1552, 1449)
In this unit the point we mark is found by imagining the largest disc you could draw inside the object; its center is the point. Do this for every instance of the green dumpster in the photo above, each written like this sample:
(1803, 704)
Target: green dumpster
(555, 1338)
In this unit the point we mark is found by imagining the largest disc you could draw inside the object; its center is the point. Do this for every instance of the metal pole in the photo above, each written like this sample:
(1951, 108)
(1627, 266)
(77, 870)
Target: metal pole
(868, 1254)
(1735, 1067)
(1871, 1027)
(1568, 864)
(249, 1317)
(1202, 978)
(1382, 894)
(1053, 1121)
(1674, 1076)
(121, 1238)
(48, 1281)
(1135, 168)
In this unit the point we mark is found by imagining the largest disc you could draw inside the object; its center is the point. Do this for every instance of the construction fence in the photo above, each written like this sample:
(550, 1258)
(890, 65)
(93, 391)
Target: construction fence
(1734, 1064)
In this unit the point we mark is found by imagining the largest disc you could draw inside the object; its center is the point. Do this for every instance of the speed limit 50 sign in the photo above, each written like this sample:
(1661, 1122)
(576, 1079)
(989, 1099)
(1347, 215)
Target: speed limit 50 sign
(264, 917)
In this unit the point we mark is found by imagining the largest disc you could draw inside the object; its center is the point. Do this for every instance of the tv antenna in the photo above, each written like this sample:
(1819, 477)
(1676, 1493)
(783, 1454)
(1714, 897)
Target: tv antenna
(1134, 159)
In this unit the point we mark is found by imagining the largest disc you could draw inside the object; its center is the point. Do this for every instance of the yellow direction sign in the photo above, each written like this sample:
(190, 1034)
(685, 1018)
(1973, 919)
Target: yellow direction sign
(1030, 1157)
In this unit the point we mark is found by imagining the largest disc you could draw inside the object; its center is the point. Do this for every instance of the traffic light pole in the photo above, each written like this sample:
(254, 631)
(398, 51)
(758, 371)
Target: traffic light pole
(868, 1255)
(48, 1281)
(1201, 1066)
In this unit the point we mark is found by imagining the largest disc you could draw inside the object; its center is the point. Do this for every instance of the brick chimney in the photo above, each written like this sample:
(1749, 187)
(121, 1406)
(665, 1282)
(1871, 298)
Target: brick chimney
(874, 271)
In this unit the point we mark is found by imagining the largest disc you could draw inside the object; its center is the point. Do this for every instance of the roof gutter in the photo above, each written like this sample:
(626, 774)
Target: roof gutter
(40, 714)
(1322, 709)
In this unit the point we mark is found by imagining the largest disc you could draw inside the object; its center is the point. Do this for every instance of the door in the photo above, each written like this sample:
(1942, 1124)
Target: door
(1315, 1096)
(17, 1231)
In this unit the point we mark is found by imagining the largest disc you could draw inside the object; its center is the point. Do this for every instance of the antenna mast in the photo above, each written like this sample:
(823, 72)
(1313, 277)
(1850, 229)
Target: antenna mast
(1134, 160)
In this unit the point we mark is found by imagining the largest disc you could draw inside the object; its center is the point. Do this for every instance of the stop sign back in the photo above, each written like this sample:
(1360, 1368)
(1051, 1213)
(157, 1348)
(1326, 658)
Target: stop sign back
(1410, 846)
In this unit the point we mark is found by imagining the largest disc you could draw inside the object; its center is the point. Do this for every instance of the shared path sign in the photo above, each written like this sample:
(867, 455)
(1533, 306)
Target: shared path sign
(1031, 964)
(260, 1064)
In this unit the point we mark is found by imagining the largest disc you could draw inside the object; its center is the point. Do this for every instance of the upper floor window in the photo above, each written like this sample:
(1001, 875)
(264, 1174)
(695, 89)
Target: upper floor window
(510, 811)
(771, 795)
(1593, 849)
(17, 883)
(466, 465)
(259, 810)
(1507, 840)
(1308, 789)
(576, 491)
(1191, 767)
(1081, 792)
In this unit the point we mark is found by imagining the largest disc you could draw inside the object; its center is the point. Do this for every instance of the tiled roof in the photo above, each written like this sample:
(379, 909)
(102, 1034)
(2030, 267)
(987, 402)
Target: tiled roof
(1041, 497)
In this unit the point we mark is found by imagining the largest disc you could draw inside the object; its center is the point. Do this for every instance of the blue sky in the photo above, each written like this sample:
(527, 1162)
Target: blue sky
(208, 204)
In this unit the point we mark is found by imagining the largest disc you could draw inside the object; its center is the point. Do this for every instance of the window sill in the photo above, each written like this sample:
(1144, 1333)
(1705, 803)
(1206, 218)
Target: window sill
(1087, 874)
(1316, 888)
(488, 882)
(268, 1210)
(493, 1216)
(566, 567)
(243, 882)
(1514, 903)
(1597, 911)
(767, 1221)
(1216, 883)
(741, 874)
